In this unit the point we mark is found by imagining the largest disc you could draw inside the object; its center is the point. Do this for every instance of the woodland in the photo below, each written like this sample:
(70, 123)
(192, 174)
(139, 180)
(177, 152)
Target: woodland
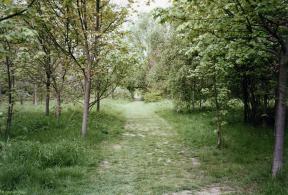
(97, 98)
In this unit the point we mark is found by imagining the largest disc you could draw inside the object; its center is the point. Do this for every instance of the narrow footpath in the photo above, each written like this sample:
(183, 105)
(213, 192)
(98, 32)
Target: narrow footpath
(148, 159)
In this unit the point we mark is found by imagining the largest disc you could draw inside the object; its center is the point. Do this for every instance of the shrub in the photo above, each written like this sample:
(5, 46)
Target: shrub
(153, 96)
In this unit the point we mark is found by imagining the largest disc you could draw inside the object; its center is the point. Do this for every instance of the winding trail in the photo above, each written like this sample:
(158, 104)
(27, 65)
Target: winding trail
(147, 159)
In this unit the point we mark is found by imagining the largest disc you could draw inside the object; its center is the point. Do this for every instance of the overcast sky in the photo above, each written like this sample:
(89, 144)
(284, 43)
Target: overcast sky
(141, 5)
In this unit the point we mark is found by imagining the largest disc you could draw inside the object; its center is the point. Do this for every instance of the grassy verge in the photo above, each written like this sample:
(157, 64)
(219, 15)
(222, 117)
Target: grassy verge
(244, 162)
(46, 156)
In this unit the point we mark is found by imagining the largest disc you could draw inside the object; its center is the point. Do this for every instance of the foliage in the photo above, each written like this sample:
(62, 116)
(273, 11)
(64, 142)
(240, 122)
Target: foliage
(152, 96)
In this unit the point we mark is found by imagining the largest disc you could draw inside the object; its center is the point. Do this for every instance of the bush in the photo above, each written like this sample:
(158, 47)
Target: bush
(153, 96)
(25, 162)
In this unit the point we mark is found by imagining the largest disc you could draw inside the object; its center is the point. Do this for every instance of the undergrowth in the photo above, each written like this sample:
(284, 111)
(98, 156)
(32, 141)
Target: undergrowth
(46, 156)
(245, 160)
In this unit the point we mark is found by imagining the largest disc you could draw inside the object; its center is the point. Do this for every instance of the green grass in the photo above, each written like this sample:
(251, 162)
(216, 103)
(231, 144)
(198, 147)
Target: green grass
(245, 160)
(147, 159)
(149, 156)
(46, 156)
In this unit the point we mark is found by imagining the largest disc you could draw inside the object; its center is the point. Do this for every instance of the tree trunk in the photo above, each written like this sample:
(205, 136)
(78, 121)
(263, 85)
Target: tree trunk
(200, 95)
(193, 96)
(58, 105)
(98, 102)
(113, 94)
(35, 100)
(265, 110)
(21, 99)
(47, 100)
(91, 60)
(98, 98)
(254, 107)
(0, 93)
(10, 79)
(280, 116)
(245, 100)
(131, 94)
(217, 106)
(87, 91)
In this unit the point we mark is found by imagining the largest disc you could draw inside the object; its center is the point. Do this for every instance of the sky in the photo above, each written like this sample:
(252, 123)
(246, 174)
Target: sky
(141, 5)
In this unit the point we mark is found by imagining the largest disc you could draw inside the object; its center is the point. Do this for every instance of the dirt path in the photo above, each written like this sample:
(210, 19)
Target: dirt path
(148, 159)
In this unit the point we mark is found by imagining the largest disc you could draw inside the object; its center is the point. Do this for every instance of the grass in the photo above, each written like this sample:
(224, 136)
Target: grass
(45, 156)
(245, 160)
(147, 159)
(149, 156)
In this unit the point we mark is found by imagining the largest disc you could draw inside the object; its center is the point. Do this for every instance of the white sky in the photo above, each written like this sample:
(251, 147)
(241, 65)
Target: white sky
(142, 6)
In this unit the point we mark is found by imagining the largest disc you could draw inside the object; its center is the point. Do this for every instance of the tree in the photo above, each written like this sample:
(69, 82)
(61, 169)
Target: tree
(82, 26)
(255, 37)
(11, 36)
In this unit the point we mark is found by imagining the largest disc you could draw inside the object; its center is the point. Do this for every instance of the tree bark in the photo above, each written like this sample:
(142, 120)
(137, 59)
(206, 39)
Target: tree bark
(91, 59)
(47, 100)
(35, 99)
(193, 96)
(98, 103)
(58, 106)
(245, 99)
(280, 115)
(0, 93)
(87, 92)
(112, 93)
(10, 80)
(217, 106)
(98, 98)
(21, 99)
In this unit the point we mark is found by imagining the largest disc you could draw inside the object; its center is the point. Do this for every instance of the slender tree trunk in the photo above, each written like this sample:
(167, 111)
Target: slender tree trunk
(280, 116)
(0, 93)
(58, 105)
(265, 110)
(87, 92)
(35, 99)
(10, 80)
(193, 96)
(91, 60)
(200, 94)
(98, 98)
(245, 99)
(47, 100)
(41, 98)
(132, 94)
(112, 93)
(98, 102)
(217, 106)
(21, 99)
(253, 106)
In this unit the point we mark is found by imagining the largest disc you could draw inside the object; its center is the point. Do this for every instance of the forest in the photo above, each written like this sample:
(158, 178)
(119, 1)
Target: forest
(162, 97)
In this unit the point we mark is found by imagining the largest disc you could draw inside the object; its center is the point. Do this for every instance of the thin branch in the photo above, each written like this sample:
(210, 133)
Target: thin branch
(17, 13)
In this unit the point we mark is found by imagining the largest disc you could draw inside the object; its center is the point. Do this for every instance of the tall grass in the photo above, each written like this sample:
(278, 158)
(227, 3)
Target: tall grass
(245, 160)
(46, 156)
